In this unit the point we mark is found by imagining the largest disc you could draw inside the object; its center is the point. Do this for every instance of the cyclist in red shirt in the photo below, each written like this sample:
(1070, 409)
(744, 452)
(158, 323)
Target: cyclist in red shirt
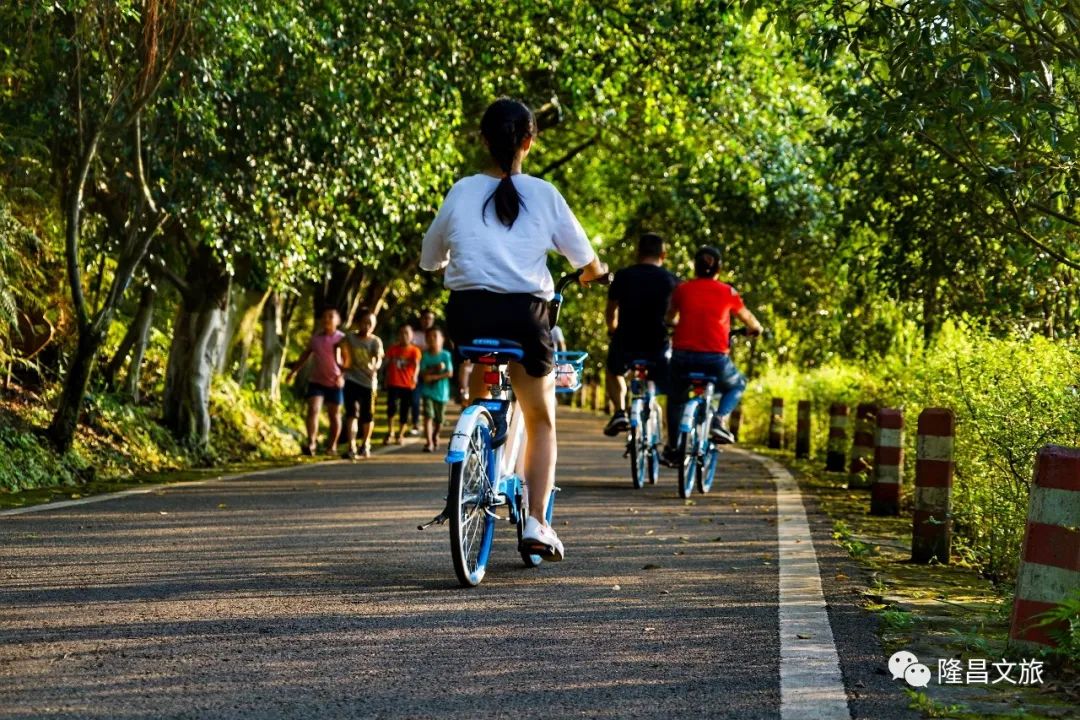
(704, 307)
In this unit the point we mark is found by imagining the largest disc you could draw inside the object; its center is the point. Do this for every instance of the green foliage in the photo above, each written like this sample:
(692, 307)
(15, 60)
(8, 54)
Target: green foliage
(1011, 396)
(897, 620)
(1068, 639)
(118, 439)
(855, 547)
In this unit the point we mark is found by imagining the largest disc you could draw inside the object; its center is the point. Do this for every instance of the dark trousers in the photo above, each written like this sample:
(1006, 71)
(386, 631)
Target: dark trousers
(415, 408)
(730, 384)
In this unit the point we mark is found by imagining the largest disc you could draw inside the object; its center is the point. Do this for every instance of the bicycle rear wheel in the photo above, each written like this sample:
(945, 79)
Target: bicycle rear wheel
(687, 462)
(707, 469)
(638, 459)
(472, 528)
(652, 442)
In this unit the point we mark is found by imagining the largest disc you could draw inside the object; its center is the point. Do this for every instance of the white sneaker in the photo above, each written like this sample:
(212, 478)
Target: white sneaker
(539, 539)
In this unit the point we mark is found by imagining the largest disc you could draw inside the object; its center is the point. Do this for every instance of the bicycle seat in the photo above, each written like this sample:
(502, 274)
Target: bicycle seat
(498, 350)
(701, 378)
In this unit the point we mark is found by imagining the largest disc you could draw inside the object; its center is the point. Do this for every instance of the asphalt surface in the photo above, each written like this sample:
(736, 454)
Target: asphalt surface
(310, 593)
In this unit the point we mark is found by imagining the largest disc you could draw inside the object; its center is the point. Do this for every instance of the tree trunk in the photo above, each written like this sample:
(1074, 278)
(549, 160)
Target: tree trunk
(337, 290)
(143, 323)
(373, 298)
(76, 384)
(931, 319)
(275, 337)
(112, 368)
(140, 326)
(193, 355)
(246, 311)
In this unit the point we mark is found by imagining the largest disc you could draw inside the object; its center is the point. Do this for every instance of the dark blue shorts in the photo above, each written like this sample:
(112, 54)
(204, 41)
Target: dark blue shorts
(330, 395)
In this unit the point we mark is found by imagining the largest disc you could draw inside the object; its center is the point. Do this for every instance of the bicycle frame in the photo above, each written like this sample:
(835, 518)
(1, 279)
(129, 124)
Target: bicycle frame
(505, 483)
(645, 419)
(691, 411)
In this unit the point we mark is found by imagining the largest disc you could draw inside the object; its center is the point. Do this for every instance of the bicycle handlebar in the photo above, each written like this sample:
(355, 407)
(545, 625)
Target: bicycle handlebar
(556, 303)
(745, 332)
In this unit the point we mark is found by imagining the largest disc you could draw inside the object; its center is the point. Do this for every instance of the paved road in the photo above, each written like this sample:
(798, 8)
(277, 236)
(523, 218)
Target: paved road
(309, 593)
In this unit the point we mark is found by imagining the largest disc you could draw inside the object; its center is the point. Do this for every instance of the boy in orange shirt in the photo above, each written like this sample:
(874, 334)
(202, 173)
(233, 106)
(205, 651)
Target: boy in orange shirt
(402, 371)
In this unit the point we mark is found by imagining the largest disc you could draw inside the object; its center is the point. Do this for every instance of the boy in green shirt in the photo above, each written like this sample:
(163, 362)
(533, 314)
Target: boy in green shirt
(436, 369)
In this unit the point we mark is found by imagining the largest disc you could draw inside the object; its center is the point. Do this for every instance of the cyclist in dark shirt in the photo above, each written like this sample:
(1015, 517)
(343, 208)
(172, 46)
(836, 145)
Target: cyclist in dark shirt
(637, 303)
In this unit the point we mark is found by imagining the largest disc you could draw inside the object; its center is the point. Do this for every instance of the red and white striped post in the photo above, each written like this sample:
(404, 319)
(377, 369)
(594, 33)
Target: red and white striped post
(735, 422)
(836, 454)
(888, 462)
(1050, 559)
(931, 537)
(802, 430)
(776, 424)
(862, 448)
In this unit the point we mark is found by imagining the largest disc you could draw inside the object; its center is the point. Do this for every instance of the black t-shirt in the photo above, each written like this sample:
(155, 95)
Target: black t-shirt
(642, 292)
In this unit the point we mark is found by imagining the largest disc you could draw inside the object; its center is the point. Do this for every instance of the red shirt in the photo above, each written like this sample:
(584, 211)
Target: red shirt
(705, 306)
(402, 362)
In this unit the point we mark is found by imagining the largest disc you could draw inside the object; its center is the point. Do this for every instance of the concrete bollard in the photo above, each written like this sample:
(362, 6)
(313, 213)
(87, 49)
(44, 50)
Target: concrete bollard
(776, 425)
(931, 536)
(836, 454)
(735, 422)
(888, 462)
(862, 447)
(802, 430)
(1050, 559)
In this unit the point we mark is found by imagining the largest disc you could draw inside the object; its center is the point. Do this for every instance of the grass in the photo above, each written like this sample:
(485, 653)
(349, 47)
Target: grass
(936, 611)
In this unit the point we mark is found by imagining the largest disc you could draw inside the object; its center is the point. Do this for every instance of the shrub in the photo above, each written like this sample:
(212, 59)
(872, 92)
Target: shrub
(1011, 396)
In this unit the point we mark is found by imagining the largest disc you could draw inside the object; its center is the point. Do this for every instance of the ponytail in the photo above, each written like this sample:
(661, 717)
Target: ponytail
(506, 125)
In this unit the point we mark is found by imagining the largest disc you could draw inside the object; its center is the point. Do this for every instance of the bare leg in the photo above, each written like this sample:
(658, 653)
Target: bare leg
(350, 432)
(365, 433)
(314, 408)
(536, 398)
(334, 411)
(429, 432)
(616, 390)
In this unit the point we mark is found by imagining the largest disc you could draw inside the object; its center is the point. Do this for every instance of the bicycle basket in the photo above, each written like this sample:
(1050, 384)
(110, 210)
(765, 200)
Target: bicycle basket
(569, 366)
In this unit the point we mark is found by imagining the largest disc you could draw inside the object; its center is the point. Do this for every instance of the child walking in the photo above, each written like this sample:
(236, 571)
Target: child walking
(365, 355)
(327, 379)
(402, 371)
(436, 369)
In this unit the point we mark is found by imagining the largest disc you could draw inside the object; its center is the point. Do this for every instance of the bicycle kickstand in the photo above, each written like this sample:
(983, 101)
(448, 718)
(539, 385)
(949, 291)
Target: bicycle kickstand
(438, 519)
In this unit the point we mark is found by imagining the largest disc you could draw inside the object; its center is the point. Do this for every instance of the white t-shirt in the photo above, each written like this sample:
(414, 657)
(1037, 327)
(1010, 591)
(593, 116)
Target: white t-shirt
(491, 256)
(557, 336)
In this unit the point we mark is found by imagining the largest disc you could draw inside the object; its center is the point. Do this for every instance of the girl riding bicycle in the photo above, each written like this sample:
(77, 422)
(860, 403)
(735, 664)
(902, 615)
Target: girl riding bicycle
(493, 234)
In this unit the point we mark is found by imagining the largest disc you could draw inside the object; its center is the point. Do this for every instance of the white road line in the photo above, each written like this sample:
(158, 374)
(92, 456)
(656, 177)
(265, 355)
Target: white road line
(173, 486)
(811, 685)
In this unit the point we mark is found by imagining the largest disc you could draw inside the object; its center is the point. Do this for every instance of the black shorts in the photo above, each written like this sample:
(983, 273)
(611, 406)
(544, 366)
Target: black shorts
(619, 357)
(518, 317)
(359, 402)
(398, 402)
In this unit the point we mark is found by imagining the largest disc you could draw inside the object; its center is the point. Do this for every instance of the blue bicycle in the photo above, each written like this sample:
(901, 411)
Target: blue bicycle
(646, 425)
(697, 453)
(485, 456)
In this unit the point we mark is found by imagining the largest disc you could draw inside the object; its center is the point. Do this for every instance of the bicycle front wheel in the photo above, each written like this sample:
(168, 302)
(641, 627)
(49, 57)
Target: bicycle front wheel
(472, 527)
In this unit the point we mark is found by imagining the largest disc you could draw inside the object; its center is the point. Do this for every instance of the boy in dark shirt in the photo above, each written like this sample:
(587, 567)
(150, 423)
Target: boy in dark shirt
(637, 303)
